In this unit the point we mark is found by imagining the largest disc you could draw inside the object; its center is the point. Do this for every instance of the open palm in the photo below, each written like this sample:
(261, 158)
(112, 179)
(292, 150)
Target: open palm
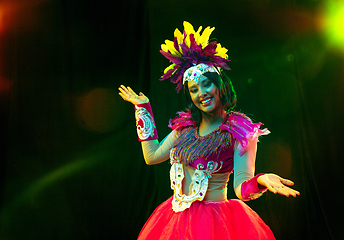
(130, 96)
(276, 184)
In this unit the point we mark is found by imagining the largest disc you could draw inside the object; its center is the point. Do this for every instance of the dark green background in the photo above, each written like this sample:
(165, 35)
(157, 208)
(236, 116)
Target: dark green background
(71, 165)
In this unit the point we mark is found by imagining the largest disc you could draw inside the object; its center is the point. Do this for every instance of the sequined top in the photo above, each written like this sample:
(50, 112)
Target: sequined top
(201, 165)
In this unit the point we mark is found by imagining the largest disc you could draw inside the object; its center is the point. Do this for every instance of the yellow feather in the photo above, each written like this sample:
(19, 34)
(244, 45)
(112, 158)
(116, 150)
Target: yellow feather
(221, 51)
(179, 37)
(199, 29)
(171, 48)
(164, 47)
(169, 67)
(197, 34)
(204, 38)
(188, 28)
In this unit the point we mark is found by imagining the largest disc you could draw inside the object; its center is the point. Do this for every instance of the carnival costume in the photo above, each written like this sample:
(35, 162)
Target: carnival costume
(201, 165)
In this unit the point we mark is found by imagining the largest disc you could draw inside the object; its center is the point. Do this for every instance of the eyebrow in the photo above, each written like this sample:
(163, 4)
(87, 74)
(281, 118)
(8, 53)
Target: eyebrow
(199, 82)
(193, 85)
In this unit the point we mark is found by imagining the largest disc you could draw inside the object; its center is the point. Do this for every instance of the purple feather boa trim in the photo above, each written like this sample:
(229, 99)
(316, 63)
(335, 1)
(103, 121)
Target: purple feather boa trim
(183, 119)
(243, 129)
(239, 126)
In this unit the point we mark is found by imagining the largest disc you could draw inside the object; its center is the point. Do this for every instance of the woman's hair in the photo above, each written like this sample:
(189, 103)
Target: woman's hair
(227, 95)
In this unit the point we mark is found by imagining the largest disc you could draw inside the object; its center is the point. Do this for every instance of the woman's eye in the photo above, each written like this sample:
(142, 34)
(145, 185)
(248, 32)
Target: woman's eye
(193, 90)
(207, 84)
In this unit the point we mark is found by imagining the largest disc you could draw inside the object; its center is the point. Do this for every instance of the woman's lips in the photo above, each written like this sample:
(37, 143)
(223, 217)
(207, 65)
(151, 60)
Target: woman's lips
(206, 101)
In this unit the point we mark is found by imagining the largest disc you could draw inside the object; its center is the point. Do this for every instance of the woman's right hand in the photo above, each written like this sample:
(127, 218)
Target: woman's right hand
(130, 96)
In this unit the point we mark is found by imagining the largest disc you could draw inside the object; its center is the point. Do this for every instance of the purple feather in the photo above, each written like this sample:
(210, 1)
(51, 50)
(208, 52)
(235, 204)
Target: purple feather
(172, 58)
(190, 56)
(169, 73)
(176, 46)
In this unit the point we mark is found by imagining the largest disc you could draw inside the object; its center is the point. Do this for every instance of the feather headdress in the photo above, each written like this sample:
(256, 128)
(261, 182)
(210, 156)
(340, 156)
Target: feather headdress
(190, 49)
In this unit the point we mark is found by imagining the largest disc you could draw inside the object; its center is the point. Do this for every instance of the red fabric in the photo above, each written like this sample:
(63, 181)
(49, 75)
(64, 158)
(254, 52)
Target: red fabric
(206, 220)
(251, 189)
(146, 124)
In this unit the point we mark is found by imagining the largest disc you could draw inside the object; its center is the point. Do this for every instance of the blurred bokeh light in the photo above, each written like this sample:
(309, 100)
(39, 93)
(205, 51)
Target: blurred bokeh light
(332, 23)
(99, 110)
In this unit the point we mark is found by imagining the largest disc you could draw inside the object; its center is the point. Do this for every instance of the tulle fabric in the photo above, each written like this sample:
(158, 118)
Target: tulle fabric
(206, 220)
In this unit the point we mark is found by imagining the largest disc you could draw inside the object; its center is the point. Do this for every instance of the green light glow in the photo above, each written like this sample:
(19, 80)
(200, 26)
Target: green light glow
(334, 23)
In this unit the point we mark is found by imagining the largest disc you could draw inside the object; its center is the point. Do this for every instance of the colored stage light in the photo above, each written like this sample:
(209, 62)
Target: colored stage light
(333, 23)
(1, 18)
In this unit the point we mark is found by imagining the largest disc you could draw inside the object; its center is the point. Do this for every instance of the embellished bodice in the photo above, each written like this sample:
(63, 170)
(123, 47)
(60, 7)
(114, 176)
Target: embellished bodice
(207, 160)
(200, 165)
(212, 153)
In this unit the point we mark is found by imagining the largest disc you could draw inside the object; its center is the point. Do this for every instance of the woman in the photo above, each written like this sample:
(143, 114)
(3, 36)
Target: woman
(207, 144)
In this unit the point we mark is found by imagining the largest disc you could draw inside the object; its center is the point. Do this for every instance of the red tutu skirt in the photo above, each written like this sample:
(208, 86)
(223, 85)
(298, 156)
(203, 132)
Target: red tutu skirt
(206, 220)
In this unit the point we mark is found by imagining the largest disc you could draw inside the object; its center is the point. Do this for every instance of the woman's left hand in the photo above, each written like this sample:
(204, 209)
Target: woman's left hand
(276, 184)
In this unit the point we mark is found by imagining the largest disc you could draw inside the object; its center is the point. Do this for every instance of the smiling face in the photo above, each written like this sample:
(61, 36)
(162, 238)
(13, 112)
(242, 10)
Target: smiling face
(205, 95)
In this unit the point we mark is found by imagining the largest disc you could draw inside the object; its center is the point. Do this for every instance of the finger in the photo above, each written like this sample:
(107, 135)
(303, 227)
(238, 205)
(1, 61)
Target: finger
(127, 91)
(278, 189)
(294, 192)
(286, 191)
(283, 191)
(272, 189)
(131, 91)
(123, 92)
(121, 95)
(124, 97)
(287, 182)
(123, 88)
(143, 95)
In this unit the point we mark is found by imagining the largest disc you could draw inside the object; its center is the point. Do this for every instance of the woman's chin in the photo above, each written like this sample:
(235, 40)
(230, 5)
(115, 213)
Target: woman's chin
(208, 109)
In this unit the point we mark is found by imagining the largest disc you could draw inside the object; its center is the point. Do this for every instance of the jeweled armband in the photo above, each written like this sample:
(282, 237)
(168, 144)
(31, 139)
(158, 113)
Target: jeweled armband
(145, 124)
(250, 189)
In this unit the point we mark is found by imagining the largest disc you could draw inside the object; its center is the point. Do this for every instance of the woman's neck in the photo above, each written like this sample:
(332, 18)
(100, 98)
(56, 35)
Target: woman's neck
(209, 119)
(210, 122)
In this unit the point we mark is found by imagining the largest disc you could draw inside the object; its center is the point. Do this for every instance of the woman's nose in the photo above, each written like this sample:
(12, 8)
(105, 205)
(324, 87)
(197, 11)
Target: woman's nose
(202, 93)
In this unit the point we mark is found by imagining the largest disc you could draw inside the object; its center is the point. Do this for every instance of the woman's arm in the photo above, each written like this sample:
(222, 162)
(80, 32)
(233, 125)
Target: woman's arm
(247, 186)
(153, 152)
(244, 166)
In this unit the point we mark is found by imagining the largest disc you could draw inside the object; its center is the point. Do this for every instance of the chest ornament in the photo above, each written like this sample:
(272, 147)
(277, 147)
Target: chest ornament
(181, 201)
(212, 167)
(199, 182)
